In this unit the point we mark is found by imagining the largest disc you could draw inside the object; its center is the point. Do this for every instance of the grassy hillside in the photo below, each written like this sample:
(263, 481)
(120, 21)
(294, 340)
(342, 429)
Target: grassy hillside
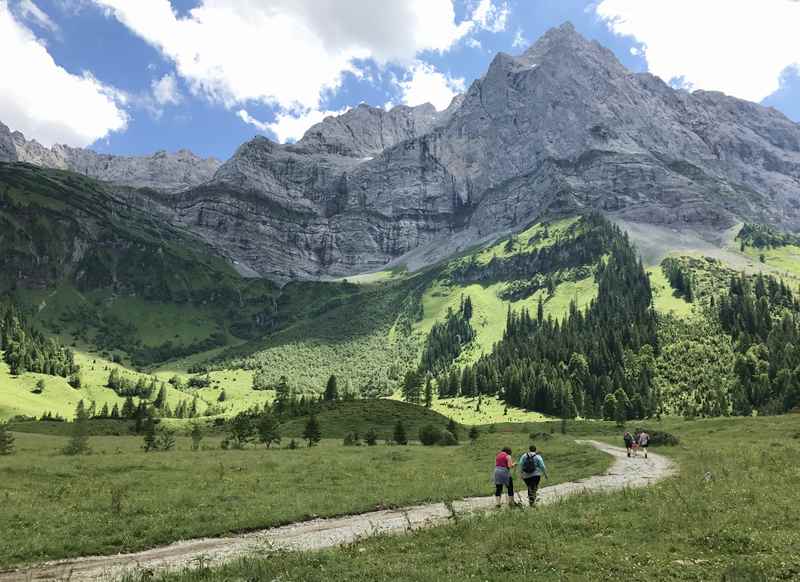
(710, 523)
(122, 499)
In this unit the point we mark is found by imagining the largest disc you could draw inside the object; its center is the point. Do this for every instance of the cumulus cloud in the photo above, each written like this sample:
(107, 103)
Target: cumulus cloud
(288, 53)
(491, 16)
(292, 126)
(165, 90)
(741, 48)
(45, 101)
(425, 84)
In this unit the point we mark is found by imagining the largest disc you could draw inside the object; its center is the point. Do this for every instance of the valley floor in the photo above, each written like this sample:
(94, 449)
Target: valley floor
(314, 535)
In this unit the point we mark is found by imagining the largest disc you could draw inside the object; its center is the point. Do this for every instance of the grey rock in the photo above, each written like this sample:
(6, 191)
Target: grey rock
(169, 172)
(560, 128)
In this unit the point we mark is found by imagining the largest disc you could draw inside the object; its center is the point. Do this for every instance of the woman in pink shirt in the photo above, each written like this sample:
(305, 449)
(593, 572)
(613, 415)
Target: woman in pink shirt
(503, 463)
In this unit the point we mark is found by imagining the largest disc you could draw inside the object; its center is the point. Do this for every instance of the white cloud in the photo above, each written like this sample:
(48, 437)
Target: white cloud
(291, 127)
(165, 90)
(740, 48)
(424, 84)
(29, 11)
(46, 102)
(473, 43)
(519, 40)
(490, 16)
(250, 120)
(288, 53)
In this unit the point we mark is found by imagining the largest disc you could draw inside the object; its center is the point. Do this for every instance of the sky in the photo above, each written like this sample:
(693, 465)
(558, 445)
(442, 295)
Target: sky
(136, 76)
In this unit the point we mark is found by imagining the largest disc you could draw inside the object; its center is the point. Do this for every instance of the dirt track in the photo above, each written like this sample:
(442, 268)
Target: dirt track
(325, 533)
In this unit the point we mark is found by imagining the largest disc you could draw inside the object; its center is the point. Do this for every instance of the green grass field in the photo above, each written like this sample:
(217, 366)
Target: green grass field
(120, 498)
(664, 299)
(730, 515)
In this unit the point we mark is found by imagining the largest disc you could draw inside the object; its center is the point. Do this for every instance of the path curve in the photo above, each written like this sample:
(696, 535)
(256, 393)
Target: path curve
(326, 533)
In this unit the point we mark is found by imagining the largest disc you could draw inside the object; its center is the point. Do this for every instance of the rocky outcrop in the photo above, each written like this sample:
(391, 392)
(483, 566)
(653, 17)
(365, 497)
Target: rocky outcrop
(562, 127)
(169, 172)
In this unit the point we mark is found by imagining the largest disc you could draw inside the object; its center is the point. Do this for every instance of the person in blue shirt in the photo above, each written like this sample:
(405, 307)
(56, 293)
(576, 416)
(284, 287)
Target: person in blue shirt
(532, 469)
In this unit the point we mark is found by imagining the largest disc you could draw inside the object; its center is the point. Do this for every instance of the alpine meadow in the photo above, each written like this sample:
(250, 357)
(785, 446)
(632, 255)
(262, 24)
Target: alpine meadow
(547, 330)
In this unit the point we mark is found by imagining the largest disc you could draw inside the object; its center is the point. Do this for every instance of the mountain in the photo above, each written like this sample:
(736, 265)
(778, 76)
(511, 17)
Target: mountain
(562, 127)
(161, 171)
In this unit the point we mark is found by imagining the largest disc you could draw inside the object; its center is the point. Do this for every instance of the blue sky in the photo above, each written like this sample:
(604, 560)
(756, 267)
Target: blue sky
(136, 76)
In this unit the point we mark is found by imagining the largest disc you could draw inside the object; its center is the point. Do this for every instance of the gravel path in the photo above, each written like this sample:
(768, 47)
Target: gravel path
(325, 533)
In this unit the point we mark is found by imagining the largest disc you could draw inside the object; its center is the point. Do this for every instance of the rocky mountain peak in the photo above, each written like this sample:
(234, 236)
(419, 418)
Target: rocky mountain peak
(168, 172)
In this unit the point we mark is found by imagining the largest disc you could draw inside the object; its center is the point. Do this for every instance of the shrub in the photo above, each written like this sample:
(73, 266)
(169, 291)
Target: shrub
(371, 438)
(448, 439)
(429, 435)
(540, 436)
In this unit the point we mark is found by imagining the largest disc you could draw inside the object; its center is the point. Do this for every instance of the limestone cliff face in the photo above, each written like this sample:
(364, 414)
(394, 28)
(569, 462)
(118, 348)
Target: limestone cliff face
(563, 126)
(163, 171)
(560, 128)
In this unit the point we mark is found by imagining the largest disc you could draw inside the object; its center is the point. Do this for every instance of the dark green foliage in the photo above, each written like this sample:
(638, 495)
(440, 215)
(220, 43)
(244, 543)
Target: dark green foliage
(447, 439)
(763, 318)
(399, 436)
(660, 438)
(763, 236)
(312, 432)
(242, 429)
(25, 349)
(679, 278)
(331, 390)
(269, 429)
(352, 439)
(197, 435)
(165, 439)
(412, 386)
(150, 441)
(6, 440)
(530, 368)
(447, 339)
(452, 428)
(474, 434)
(292, 444)
(428, 393)
(371, 438)
(429, 435)
(79, 440)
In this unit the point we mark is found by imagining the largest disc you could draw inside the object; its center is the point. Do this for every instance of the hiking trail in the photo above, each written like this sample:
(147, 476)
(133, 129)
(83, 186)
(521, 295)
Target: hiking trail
(325, 533)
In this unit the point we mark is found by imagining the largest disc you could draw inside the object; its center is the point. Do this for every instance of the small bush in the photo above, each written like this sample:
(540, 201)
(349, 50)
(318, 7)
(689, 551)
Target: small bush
(448, 439)
(429, 435)
(540, 436)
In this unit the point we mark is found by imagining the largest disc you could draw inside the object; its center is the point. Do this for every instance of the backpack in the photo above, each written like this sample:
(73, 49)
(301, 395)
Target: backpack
(529, 463)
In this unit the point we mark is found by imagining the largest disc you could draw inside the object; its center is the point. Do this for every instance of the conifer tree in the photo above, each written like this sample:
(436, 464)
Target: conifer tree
(312, 431)
(371, 437)
(331, 390)
(197, 436)
(428, 393)
(161, 399)
(150, 442)
(79, 440)
(166, 439)
(6, 440)
(115, 411)
(399, 436)
(474, 433)
(269, 429)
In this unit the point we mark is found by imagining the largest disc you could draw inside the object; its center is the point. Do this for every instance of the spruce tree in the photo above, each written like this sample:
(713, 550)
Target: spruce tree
(6, 440)
(166, 439)
(150, 443)
(79, 441)
(452, 427)
(269, 429)
(197, 435)
(115, 411)
(331, 390)
(400, 433)
(161, 399)
(428, 393)
(312, 431)
(474, 433)
(371, 438)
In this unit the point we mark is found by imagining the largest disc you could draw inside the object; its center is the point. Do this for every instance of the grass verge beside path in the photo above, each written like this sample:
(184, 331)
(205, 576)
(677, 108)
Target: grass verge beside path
(121, 499)
(731, 515)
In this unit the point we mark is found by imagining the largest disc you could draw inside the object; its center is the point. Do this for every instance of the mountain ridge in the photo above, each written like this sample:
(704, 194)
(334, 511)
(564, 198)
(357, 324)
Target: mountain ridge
(561, 128)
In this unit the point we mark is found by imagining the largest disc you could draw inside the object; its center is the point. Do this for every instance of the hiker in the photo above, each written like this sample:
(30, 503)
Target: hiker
(628, 438)
(503, 463)
(644, 440)
(531, 470)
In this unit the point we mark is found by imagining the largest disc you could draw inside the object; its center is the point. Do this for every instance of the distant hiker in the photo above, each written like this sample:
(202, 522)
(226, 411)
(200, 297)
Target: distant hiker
(503, 463)
(531, 470)
(644, 441)
(628, 438)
